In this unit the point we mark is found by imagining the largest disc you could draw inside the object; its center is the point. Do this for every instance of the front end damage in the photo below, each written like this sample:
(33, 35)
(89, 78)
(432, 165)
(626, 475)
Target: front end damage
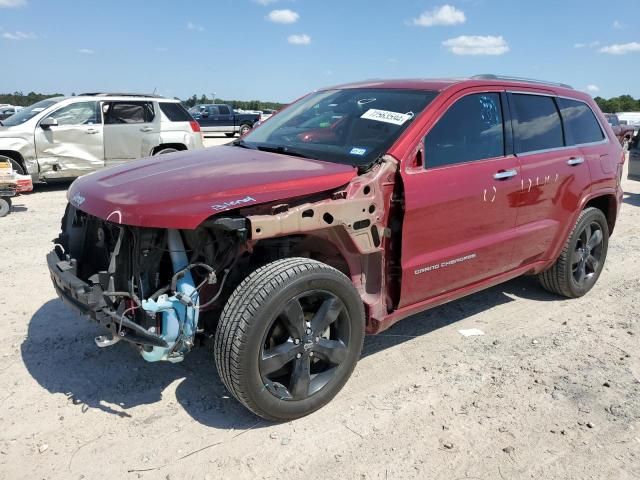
(158, 288)
(147, 286)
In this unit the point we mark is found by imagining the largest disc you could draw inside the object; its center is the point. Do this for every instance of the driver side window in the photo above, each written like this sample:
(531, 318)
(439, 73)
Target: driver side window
(81, 113)
(471, 129)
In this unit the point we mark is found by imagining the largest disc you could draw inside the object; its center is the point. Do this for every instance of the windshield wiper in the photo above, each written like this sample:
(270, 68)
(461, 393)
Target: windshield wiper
(242, 144)
(285, 150)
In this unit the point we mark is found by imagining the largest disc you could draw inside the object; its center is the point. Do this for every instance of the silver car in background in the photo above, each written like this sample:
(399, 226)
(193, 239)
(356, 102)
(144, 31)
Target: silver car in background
(66, 137)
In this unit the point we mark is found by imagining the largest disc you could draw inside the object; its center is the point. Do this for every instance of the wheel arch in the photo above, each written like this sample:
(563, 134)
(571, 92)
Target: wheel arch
(162, 146)
(12, 154)
(607, 203)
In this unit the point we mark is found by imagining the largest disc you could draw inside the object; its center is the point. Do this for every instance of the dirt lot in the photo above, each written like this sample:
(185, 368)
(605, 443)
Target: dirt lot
(551, 390)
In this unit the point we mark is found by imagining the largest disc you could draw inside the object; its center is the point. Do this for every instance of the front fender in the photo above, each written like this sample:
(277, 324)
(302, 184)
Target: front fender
(25, 148)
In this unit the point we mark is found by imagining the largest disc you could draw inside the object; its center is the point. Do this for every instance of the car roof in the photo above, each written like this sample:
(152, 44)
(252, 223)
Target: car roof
(440, 84)
(120, 97)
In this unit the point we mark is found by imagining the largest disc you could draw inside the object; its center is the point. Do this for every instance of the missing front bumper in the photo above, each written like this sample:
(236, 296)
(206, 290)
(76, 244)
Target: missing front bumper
(90, 300)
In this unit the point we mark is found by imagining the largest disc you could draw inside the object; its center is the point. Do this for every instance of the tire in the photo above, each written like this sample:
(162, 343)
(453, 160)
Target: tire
(244, 129)
(5, 206)
(230, 135)
(579, 265)
(165, 151)
(14, 164)
(262, 317)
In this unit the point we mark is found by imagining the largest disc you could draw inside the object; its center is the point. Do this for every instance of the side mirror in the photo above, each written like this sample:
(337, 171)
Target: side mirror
(48, 123)
(204, 114)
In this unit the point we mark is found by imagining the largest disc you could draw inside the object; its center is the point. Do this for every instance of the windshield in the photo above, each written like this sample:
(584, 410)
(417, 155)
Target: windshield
(28, 113)
(351, 126)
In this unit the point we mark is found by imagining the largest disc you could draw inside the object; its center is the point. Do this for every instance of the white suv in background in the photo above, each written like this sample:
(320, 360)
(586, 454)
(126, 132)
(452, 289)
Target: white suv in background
(66, 137)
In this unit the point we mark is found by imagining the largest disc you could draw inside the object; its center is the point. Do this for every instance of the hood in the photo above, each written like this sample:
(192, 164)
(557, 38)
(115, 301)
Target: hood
(183, 189)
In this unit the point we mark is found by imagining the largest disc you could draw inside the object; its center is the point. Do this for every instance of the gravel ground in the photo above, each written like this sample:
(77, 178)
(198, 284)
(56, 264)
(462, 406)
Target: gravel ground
(551, 390)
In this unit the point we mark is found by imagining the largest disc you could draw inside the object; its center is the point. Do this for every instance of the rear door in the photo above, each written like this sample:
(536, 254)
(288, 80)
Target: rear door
(74, 146)
(460, 205)
(132, 130)
(554, 175)
(224, 121)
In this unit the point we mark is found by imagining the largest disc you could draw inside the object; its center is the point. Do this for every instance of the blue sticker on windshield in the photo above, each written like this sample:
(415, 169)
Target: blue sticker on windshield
(358, 151)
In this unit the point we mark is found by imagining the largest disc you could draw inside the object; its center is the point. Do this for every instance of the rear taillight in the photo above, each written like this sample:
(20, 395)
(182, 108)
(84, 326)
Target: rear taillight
(195, 126)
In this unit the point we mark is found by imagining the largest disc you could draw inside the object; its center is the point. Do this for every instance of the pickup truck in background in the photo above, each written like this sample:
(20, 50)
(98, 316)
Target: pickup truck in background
(623, 132)
(220, 118)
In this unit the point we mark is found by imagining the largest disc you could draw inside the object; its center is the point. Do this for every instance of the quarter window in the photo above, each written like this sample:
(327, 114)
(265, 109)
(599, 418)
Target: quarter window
(537, 123)
(471, 129)
(129, 112)
(175, 112)
(81, 113)
(580, 123)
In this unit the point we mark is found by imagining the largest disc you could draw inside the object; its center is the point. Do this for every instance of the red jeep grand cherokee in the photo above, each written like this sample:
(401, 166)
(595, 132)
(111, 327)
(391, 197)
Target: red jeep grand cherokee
(290, 244)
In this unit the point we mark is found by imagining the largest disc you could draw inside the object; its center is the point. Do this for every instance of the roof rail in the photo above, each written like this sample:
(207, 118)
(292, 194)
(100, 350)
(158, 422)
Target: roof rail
(116, 94)
(490, 76)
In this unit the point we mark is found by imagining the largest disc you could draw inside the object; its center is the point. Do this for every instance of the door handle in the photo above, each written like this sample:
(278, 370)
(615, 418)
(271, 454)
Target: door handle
(573, 161)
(146, 129)
(503, 175)
(92, 131)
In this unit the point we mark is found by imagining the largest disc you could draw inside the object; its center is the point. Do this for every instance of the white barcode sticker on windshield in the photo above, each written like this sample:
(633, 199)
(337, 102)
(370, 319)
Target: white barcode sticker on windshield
(386, 116)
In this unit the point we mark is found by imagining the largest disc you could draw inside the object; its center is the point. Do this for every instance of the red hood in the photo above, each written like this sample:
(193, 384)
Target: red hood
(183, 189)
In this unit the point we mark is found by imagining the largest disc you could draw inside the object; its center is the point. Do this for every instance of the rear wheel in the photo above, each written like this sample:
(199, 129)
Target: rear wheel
(577, 269)
(5, 206)
(289, 338)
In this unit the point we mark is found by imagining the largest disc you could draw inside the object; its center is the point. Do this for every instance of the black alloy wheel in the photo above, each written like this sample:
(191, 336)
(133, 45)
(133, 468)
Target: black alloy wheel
(289, 337)
(305, 345)
(587, 255)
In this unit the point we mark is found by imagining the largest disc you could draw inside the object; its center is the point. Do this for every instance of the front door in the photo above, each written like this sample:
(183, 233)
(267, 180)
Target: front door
(131, 130)
(74, 146)
(460, 200)
(208, 119)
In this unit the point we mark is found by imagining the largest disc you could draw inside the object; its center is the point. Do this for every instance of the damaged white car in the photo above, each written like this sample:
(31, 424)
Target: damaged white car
(67, 137)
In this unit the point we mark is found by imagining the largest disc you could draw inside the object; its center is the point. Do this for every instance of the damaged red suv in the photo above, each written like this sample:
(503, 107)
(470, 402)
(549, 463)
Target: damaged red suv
(290, 244)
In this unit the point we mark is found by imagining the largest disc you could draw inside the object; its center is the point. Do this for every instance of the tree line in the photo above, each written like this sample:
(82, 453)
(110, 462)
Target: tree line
(24, 100)
(19, 99)
(238, 104)
(623, 103)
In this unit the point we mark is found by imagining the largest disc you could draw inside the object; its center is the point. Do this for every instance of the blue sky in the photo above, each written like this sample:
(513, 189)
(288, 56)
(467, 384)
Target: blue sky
(280, 49)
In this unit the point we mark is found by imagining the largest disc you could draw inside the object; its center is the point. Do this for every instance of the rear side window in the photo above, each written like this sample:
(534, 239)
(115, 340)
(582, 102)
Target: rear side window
(537, 123)
(224, 110)
(128, 112)
(580, 123)
(471, 129)
(175, 112)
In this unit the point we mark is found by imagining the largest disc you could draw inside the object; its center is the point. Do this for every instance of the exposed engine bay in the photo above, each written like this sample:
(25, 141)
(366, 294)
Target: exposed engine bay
(148, 286)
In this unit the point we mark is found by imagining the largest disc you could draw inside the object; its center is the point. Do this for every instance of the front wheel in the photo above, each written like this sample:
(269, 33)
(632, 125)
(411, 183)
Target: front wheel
(577, 269)
(289, 338)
